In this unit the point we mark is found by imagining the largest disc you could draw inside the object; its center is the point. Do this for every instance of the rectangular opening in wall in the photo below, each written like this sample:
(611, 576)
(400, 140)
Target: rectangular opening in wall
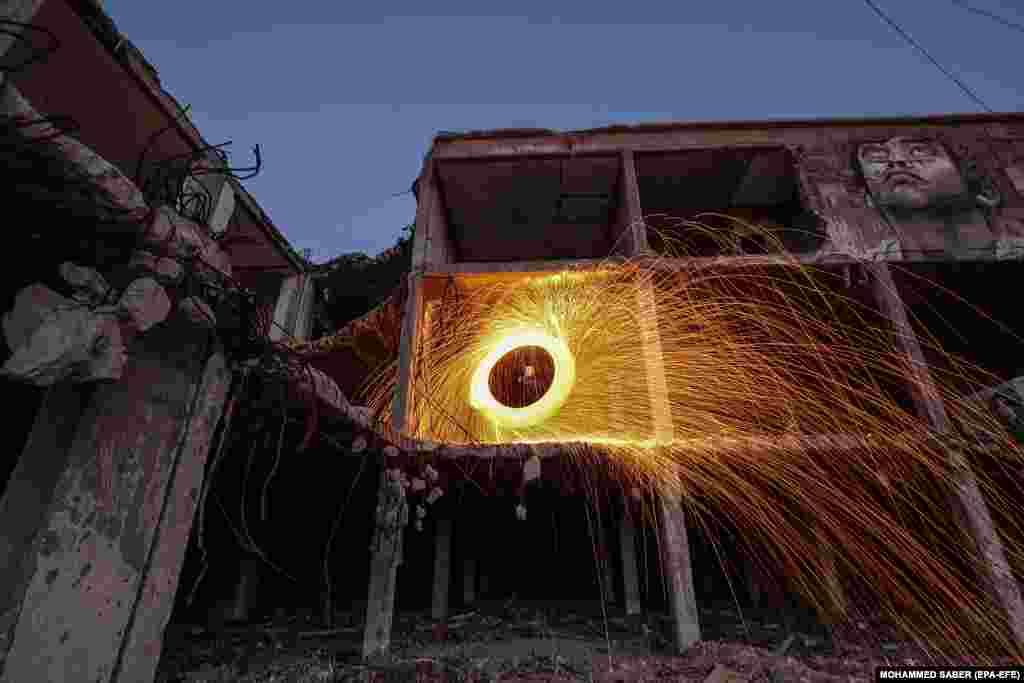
(530, 208)
(753, 185)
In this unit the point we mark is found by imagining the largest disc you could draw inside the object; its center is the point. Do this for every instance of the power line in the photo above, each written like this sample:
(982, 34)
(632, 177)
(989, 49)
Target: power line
(989, 15)
(913, 43)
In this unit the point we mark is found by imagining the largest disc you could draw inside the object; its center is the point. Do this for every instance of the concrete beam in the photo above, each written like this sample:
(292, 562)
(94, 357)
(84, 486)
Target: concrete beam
(472, 273)
(442, 568)
(659, 137)
(101, 571)
(627, 545)
(969, 503)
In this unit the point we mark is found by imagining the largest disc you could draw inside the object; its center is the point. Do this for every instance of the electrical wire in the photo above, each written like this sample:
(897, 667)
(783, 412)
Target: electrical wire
(920, 48)
(989, 15)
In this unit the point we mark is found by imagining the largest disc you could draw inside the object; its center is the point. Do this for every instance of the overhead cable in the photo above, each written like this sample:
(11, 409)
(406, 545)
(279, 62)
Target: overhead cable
(920, 48)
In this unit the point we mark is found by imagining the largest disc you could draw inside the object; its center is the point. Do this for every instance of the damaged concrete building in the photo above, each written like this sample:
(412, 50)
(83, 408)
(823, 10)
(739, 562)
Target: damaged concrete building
(131, 235)
(160, 339)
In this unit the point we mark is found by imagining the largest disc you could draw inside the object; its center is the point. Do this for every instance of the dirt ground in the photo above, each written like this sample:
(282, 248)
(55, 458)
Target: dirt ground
(551, 641)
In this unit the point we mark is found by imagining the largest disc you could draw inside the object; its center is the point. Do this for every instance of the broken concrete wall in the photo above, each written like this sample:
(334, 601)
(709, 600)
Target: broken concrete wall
(95, 582)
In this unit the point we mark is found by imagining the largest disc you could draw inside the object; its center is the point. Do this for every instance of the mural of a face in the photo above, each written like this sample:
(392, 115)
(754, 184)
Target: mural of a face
(909, 173)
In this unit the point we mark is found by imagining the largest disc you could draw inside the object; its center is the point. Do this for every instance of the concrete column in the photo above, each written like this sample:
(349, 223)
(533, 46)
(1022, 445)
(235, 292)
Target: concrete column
(675, 545)
(280, 328)
(385, 556)
(483, 579)
(241, 599)
(630, 583)
(442, 568)
(675, 548)
(604, 567)
(101, 571)
(26, 501)
(836, 604)
(402, 406)
(468, 580)
(632, 238)
(144, 639)
(431, 244)
(970, 503)
(754, 584)
(294, 309)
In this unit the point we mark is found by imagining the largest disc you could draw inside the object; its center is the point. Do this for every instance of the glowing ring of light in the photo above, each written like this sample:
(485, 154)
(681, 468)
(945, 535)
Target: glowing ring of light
(481, 398)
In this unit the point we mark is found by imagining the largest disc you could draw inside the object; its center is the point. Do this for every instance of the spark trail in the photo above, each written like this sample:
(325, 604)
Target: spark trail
(789, 417)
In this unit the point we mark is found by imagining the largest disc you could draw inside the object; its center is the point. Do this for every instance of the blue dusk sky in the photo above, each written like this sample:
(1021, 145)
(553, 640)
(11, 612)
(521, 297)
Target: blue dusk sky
(344, 98)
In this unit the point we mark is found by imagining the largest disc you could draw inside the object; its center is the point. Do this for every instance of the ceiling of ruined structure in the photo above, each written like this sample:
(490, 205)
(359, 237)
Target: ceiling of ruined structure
(530, 208)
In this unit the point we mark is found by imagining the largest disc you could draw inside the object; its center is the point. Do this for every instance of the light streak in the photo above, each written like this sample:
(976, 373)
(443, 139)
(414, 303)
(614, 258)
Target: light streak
(482, 400)
(761, 364)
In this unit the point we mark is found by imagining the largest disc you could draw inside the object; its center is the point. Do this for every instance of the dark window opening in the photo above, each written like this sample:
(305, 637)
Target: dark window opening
(711, 202)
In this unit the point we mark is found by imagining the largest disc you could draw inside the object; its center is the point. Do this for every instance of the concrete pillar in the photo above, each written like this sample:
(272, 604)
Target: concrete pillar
(632, 237)
(754, 587)
(294, 309)
(248, 575)
(675, 548)
(483, 580)
(432, 246)
(442, 568)
(836, 604)
(101, 572)
(26, 501)
(469, 580)
(675, 545)
(630, 583)
(604, 568)
(280, 329)
(385, 556)
(970, 504)
(412, 324)
(144, 639)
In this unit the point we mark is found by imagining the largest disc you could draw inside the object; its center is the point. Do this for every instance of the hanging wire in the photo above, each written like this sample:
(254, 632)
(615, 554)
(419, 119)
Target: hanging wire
(989, 15)
(920, 48)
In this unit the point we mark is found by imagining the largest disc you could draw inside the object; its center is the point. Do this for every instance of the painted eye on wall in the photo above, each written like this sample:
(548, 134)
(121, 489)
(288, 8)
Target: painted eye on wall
(921, 150)
(874, 154)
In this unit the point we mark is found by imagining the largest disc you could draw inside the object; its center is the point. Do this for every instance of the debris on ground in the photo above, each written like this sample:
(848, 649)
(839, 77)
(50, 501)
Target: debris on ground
(552, 641)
